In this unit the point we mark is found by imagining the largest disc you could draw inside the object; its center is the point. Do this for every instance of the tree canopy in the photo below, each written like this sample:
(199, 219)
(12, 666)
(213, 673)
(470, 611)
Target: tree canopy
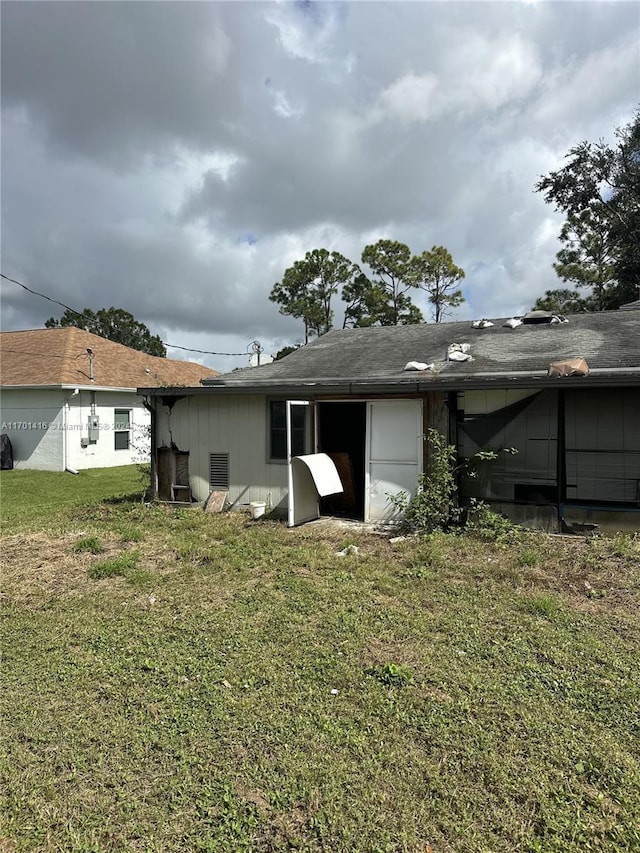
(116, 325)
(436, 273)
(390, 261)
(598, 190)
(308, 287)
(562, 301)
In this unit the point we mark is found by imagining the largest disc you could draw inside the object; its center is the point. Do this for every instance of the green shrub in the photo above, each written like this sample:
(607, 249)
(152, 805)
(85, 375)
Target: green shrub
(434, 506)
(489, 526)
(529, 557)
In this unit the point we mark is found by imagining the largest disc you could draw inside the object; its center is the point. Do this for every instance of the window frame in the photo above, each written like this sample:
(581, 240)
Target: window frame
(119, 432)
(304, 431)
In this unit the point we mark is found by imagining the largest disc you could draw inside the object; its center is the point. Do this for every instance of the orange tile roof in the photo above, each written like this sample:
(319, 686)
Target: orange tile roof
(59, 357)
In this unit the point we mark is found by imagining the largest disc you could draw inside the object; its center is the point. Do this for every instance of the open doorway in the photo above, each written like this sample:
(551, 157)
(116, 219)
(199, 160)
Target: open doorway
(341, 435)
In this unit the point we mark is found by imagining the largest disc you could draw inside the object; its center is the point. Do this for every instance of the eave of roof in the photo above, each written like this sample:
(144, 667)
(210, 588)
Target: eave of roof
(69, 387)
(411, 383)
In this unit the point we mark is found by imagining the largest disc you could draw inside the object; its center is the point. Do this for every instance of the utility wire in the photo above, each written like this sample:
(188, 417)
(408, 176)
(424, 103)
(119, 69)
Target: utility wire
(44, 354)
(204, 351)
(80, 314)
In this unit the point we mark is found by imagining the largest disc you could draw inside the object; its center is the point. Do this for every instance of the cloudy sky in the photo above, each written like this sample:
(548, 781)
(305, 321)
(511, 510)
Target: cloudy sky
(174, 158)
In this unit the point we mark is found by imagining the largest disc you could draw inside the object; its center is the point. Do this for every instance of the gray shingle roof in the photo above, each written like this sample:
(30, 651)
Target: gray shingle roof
(609, 341)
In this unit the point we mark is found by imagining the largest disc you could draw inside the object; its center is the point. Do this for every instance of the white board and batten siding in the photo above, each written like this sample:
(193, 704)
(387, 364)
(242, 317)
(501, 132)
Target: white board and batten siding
(228, 436)
(235, 425)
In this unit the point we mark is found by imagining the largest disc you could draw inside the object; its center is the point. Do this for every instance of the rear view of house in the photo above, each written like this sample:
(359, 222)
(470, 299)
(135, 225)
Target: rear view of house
(348, 395)
(69, 400)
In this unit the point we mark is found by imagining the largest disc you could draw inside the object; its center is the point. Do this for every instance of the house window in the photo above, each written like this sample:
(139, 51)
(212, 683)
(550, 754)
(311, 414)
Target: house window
(278, 429)
(122, 429)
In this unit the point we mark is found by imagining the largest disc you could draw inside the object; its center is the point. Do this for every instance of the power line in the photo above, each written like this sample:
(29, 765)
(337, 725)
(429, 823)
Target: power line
(44, 354)
(204, 351)
(80, 314)
(43, 295)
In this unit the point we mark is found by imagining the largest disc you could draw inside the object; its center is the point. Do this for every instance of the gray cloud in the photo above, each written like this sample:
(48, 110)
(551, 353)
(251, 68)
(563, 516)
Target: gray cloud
(174, 158)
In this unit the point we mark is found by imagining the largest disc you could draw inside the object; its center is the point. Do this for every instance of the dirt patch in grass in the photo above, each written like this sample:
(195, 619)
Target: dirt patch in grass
(37, 564)
(44, 565)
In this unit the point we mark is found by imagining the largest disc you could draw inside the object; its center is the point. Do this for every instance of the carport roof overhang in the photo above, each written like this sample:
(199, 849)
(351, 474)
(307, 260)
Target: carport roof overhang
(411, 384)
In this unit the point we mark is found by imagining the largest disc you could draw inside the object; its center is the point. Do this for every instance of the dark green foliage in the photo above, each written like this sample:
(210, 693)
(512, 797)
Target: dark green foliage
(599, 192)
(88, 544)
(114, 324)
(436, 273)
(562, 301)
(433, 506)
(307, 288)
(285, 351)
(116, 567)
(391, 263)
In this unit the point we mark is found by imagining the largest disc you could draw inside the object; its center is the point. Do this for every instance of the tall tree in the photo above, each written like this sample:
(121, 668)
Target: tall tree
(598, 190)
(366, 303)
(562, 301)
(307, 288)
(390, 261)
(116, 325)
(589, 254)
(436, 273)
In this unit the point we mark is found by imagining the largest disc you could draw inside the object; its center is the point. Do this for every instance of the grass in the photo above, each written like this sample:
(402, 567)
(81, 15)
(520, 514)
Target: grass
(115, 567)
(238, 686)
(90, 544)
(25, 496)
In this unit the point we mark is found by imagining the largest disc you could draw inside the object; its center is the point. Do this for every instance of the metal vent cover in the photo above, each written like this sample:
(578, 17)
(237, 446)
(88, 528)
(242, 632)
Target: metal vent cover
(219, 471)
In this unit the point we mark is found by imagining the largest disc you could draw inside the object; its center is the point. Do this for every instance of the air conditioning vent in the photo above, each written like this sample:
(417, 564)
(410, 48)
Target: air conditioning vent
(219, 472)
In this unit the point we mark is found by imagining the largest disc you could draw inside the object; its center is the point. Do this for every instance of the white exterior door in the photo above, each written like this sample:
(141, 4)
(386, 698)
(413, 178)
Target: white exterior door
(303, 497)
(393, 454)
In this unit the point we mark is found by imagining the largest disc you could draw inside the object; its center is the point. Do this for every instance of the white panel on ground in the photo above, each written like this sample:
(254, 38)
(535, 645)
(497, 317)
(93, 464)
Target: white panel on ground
(393, 453)
(311, 477)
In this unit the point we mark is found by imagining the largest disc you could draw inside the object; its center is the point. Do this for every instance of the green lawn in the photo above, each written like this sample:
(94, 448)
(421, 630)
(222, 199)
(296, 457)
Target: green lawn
(26, 497)
(176, 681)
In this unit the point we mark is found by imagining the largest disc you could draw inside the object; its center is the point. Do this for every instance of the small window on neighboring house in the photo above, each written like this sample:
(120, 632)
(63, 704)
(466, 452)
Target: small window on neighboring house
(122, 429)
(278, 429)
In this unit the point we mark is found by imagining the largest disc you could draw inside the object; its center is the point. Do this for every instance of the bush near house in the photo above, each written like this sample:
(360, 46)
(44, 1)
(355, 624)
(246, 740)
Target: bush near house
(233, 685)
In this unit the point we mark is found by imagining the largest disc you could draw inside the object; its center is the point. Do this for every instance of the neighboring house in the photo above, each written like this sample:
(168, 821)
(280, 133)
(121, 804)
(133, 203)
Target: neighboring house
(68, 398)
(348, 395)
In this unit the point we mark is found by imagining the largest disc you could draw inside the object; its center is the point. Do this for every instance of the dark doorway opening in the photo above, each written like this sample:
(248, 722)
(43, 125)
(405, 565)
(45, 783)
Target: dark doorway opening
(341, 435)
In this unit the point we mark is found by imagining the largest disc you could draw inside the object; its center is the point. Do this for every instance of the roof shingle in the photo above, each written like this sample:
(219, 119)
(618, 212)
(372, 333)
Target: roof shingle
(59, 357)
(609, 341)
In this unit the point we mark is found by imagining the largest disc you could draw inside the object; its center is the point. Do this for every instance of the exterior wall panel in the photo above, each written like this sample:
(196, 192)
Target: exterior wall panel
(225, 424)
(103, 453)
(498, 419)
(602, 437)
(33, 420)
(46, 428)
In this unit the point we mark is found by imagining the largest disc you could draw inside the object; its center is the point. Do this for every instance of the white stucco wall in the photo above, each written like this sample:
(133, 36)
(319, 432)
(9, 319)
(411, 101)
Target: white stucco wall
(233, 424)
(46, 428)
(32, 418)
(103, 453)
